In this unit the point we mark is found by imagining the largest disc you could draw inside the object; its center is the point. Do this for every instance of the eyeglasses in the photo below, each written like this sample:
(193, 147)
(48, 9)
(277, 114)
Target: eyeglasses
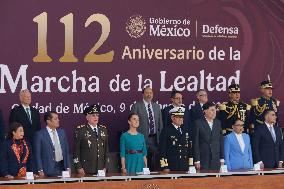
(240, 125)
(178, 98)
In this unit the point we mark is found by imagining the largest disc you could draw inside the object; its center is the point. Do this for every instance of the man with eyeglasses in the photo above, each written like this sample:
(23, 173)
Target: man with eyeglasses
(237, 148)
(176, 98)
(233, 109)
(196, 111)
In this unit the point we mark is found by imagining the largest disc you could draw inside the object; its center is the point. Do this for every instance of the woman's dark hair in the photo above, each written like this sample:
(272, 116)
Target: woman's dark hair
(130, 116)
(13, 128)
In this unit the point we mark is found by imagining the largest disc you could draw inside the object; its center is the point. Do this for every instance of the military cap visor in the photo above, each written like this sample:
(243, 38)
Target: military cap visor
(93, 109)
(234, 88)
(266, 85)
(177, 111)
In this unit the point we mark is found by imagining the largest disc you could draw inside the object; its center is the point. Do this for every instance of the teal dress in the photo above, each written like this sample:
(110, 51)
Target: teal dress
(134, 162)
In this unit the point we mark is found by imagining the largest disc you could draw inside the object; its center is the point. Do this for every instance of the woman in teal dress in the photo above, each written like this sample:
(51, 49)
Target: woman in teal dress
(133, 150)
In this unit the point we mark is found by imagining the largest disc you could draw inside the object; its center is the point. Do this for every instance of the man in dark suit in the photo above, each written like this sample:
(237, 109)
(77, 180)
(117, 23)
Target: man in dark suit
(267, 142)
(175, 143)
(2, 128)
(196, 111)
(151, 124)
(176, 98)
(208, 140)
(51, 148)
(91, 144)
(26, 115)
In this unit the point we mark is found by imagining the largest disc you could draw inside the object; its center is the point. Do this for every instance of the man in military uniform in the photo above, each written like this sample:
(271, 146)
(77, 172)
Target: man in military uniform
(233, 109)
(90, 144)
(265, 102)
(175, 144)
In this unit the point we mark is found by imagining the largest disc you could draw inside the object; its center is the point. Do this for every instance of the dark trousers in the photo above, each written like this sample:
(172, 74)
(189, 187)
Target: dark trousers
(152, 153)
(58, 168)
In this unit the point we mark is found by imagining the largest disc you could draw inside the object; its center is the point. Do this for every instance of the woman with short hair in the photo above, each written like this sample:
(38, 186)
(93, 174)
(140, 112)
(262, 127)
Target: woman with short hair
(17, 155)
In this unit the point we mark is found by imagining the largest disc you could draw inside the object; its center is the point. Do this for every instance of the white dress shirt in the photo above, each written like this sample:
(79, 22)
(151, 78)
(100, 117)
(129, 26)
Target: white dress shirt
(241, 141)
(94, 128)
(51, 135)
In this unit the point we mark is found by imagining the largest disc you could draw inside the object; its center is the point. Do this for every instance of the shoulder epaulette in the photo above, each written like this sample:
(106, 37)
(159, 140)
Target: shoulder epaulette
(248, 107)
(80, 126)
(254, 102)
(277, 102)
(103, 126)
(222, 106)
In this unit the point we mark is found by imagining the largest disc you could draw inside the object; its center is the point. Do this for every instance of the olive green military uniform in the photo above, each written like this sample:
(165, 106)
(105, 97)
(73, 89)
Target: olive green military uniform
(90, 148)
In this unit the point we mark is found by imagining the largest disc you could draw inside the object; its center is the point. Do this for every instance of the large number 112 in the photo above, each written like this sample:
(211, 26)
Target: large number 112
(42, 55)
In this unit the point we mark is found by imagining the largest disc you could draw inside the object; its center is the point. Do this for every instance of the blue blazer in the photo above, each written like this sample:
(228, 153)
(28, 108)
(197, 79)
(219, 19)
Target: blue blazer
(45, 153)
(234, 157)
(10, 164)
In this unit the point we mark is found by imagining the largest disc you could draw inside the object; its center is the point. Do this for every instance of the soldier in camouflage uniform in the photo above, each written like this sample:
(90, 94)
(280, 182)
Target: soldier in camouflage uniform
(233, 109)
(265, 102)
(90, 144)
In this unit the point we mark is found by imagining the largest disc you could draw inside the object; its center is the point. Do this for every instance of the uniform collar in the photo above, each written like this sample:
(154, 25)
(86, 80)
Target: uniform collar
(177, 127)
(93, 127)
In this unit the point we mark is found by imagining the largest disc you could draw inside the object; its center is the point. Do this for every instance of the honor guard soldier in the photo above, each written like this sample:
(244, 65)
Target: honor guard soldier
(175, 144)
(90, 144)
(233, 109)
(265, 102)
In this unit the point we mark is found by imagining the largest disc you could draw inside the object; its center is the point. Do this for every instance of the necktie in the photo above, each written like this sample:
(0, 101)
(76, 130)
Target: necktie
(29, 115)
(57, 147)
(272, 133)
(151, 120)
(96, 131)
(180, 130)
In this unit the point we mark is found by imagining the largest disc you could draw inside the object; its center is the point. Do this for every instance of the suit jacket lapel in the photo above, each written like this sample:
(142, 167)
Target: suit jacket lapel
(268, 132)
(47, 136)
(206, 128)
(277, 135)
(60, 135)
(25, 114)
(32, 114)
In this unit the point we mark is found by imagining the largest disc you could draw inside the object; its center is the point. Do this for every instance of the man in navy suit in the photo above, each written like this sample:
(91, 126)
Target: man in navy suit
(51, 148)
(267, 142)
(26, 115)
(196, 112)
(176, 98)
(237, 147)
